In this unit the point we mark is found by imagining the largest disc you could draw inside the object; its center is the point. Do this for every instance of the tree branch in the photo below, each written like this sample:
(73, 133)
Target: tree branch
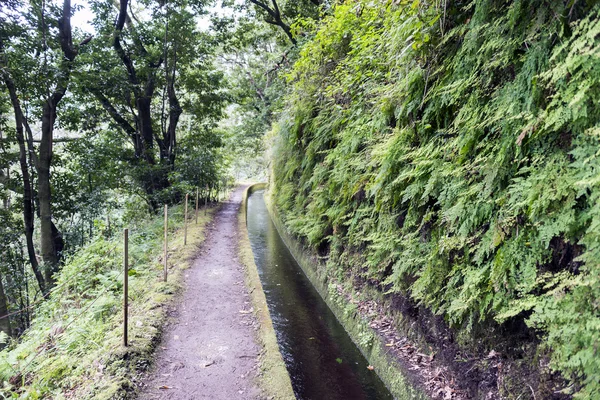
(125, 59)
(276, 19)
(65, 34)
(30, 146)
(278, 65)
(112, 111)
(58, 140)
(265, 8)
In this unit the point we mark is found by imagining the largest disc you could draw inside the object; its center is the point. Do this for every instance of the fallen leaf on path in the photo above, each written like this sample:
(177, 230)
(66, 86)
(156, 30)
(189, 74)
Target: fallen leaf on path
(492, 354)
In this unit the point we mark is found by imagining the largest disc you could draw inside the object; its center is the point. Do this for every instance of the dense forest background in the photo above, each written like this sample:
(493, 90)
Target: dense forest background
(100, 125)
(444, 153)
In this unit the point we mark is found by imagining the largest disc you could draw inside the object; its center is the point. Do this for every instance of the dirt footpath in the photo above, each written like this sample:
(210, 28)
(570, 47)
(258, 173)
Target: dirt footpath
(208, 349)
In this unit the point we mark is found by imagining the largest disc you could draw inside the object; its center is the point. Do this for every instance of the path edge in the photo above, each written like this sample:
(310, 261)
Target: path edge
(273, 377)
(141, 361)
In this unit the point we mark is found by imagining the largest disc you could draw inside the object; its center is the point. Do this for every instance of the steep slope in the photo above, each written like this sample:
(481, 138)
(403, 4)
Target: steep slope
(446, 153)
(73, 348)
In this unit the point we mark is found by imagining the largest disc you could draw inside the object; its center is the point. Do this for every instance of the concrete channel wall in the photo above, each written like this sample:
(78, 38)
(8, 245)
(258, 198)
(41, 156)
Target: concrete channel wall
(371, 345)
(273, 377)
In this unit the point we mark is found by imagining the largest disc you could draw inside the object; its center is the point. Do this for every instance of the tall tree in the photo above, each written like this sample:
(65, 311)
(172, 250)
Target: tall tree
(28, 207)
(51, 238)
(50, 54)
(157, 67)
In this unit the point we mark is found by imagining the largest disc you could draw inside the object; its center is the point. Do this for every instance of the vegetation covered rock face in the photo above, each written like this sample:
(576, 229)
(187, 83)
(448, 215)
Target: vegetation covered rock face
(447, 151)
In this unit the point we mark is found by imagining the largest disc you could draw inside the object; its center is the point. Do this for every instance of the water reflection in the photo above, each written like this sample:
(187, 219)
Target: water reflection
(321, 358)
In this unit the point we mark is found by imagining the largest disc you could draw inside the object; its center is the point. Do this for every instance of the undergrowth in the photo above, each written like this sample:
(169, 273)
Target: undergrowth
(448, 152)
(73, 348)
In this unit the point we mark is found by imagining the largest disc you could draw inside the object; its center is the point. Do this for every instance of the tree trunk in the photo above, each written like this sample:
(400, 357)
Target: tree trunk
(4, 322)
(175, 111)
(28, 211)
(144, 104)
(50, 236)
(29, 215)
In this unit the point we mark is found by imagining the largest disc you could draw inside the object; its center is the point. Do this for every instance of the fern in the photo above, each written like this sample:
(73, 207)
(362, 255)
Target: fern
(451, 159)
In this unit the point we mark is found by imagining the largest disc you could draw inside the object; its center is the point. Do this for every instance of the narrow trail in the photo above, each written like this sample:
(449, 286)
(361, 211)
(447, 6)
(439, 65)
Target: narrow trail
(208, 349)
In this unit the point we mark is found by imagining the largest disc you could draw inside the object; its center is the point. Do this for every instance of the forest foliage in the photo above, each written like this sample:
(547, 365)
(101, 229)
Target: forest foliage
(101, 124)
(95, 120)
(448, 152)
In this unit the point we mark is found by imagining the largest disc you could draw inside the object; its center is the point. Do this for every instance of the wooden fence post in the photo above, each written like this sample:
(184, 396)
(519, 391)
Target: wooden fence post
(185, 214)
(166, 237)
(125, 283)
(206, 199)
(197, 190)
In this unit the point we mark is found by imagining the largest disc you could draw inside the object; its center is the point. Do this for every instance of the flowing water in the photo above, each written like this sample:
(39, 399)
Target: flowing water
(321, 359)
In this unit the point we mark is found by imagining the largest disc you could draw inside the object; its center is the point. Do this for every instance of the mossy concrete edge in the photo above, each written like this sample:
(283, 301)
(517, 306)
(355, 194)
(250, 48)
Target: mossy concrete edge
(366, 339)
(273, 377)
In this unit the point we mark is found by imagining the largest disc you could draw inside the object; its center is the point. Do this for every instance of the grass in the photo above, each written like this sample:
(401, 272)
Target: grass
(73, 348)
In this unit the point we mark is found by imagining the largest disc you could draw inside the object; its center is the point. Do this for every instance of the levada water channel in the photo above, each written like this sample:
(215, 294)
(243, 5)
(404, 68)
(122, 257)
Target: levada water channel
(321, 359)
